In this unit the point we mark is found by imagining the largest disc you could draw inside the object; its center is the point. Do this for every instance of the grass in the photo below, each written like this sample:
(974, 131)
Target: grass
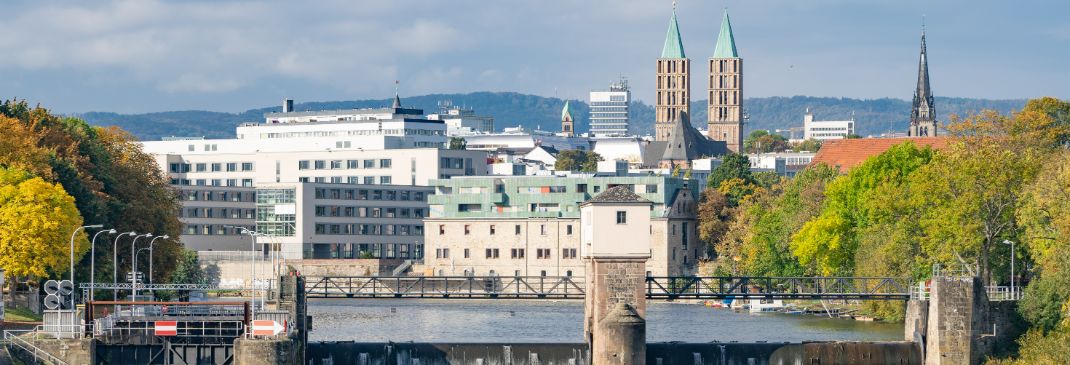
(21, 314)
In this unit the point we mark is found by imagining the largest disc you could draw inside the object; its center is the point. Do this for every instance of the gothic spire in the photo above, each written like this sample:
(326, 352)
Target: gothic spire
(726, 41)
(923, 96)
(674, 46)
(566, 113)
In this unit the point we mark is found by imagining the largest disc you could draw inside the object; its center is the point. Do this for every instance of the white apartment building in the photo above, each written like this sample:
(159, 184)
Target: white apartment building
(609, 110)
(462, 121)
(826, 129)
(391, 146)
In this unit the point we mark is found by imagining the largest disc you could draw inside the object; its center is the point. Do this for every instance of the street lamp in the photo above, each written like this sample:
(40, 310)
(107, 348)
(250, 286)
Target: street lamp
(115, 263)
(150, 255)
(93, 260)
(133, 265)
(252, 272)
(1009, 242)
(72, 245)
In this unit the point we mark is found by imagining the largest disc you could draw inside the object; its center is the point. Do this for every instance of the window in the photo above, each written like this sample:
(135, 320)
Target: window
(247, 166)
(466, 253)
(369, 180)
(384, 180)
(568, 273)
(217, 167)
(202, 167)
(568, 253)
(352, 164)
(622, 217)
(492, 253)
(517, 229)
(441, 229)
(581, 188)
(231, 166)
(542, 229)
(467, 229)
(492, 229)
(247, 183)
(517, 253)
(385, 163)
(320, 164)
(568, 229)
(542, 253)
(336, 164)
(369, 164)
(651, 189)
(302, 165)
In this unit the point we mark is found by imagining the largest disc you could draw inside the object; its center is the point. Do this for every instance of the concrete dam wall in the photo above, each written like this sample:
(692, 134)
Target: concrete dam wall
(671, 353)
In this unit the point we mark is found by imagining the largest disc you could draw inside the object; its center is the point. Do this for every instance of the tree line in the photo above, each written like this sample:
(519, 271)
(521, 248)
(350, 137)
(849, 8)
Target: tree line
(999, 178)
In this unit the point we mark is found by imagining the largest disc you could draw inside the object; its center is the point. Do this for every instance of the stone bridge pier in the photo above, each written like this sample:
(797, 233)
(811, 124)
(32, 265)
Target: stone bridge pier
(958, 324)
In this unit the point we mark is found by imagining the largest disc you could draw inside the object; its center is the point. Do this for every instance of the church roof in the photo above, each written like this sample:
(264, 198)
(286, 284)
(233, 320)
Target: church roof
(674, 46)
(685, 143)
(397, 101)
(618, 194)
(566, 112)
(844, 154)
(726, 42)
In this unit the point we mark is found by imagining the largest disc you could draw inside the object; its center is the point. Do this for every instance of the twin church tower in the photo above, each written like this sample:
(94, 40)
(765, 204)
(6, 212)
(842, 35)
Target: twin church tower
(725, 70)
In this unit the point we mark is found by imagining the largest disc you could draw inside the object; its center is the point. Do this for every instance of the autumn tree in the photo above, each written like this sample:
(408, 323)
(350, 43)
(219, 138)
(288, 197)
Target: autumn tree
(577, 160)
(733, 165)
(810, 145)
(761, 141)
(36, 221)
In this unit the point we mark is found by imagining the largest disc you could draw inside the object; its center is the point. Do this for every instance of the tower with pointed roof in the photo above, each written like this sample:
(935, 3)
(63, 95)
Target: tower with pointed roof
(725, 104)
(673, 84)
(568, 126)
(923, 114)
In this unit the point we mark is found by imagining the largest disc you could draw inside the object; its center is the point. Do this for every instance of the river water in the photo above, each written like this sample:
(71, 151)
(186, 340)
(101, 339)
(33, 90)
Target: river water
(519, 321)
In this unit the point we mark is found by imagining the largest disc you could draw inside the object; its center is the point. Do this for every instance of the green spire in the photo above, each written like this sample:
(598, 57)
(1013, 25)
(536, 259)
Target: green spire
(726, 42)
(566, 114)
(674, 47)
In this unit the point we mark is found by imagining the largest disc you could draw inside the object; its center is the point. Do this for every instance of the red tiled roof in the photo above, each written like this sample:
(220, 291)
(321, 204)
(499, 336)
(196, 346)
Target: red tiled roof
(847, 153)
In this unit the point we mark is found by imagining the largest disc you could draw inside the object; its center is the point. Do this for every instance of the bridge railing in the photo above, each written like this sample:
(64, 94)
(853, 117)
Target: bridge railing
(445, 287)
(778, 287)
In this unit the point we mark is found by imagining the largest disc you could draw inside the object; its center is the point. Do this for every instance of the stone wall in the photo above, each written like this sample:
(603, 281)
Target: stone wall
(230, 273)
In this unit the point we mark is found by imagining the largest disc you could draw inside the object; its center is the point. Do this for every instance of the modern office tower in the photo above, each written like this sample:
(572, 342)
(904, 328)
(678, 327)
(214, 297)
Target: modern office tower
(725, 112)
(609, 110)
(673, 84)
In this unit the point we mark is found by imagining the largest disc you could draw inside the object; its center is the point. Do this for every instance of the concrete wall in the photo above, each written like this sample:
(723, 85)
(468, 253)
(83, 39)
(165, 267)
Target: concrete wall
(235, 273)
(335, 353)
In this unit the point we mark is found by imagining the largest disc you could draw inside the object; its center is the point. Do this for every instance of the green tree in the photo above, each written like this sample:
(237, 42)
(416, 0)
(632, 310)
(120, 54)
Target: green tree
(577, 160)
(810, 145)
(761, 141)
(713, 216)
(457, 143)
(1045, 217)
(36, 221)
(733, 166)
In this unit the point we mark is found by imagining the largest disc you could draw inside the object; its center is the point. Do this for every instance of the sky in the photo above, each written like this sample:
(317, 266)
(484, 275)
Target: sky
(154, 55)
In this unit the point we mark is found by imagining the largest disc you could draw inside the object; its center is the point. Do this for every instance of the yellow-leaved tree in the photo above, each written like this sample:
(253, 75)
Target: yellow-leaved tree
(36, 221)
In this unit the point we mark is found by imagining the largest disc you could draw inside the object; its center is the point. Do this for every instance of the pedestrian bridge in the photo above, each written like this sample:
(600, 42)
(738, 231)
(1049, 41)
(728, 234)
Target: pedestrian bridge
(568, 287)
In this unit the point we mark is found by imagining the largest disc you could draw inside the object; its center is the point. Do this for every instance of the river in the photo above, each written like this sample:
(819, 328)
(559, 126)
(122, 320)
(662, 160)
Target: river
(519, 321)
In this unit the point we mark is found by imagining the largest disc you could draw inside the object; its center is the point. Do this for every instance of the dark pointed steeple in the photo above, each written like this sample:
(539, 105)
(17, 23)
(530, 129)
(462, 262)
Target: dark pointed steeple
(397, 102)
(923, 113)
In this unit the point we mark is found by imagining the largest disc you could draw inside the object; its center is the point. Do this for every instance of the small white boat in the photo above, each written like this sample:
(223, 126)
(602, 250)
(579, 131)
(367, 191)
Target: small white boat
(765, 305)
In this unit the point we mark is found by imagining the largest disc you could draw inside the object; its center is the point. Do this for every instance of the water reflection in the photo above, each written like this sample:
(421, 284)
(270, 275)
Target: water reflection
(430, 320)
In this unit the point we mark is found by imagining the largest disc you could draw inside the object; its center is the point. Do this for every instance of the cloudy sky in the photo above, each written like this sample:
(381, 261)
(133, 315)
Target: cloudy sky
(155, 55)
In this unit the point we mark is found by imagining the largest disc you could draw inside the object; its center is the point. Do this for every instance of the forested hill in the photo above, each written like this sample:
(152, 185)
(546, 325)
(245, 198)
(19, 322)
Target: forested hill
(530, 111)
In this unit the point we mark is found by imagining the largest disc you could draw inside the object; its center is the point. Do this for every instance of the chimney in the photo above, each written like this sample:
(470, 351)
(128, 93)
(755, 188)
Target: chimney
(287, 105)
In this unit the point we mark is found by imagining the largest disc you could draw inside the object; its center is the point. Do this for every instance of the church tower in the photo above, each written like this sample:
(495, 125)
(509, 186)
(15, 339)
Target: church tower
(674, 82)
(568, 126)
(725, 112)
(923, 115)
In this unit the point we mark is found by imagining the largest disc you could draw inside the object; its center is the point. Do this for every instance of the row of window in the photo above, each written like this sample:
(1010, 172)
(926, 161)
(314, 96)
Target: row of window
(231, 213)
(383, 163)
(366, 180)
(367, 132)
(354, 229)
(366, 251)
(514, 253)
(365, 194)
(212, 230)
(493, 229)
(248, 183)
(363, 212)
(222, 196)
(181, 168)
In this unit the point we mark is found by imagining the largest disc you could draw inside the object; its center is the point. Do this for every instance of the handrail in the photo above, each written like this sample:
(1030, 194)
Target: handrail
(38, 353)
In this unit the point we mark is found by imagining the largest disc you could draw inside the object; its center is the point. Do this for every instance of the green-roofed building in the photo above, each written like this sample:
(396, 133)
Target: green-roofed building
(673, 84)
(530, 225)
(568, 125)
(725, 109)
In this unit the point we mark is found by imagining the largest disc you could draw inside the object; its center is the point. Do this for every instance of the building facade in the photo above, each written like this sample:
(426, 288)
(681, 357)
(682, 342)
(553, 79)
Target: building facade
(530, 226)
(826, 129)
(343, 221)
(725, 112)
(673, 97)
(609, 110)
(462, 121)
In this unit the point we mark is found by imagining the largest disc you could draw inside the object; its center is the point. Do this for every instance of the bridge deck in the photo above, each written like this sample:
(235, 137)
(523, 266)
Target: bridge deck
(565, 287)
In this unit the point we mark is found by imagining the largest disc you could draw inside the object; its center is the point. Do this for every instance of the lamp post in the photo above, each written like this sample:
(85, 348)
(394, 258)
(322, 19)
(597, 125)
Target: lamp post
(115, 263)
(252, 264)
(150, 254)
(133, 265)
(93, 260)
(72, 245)
(1009, 242)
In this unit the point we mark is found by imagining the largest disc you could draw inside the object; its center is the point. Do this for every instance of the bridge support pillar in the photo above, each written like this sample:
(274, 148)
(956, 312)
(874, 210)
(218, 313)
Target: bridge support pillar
(958, 328)
(615, 245)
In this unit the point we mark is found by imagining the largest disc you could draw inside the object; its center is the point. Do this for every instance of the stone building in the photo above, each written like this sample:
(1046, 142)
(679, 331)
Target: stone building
(725, 113)
(568, 124)
(923, 114)
(530, 225)
(674, 83)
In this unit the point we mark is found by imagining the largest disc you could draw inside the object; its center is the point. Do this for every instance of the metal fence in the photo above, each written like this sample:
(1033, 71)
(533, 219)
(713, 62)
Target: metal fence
(26, 341)
(863, 288)
(517, 287)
